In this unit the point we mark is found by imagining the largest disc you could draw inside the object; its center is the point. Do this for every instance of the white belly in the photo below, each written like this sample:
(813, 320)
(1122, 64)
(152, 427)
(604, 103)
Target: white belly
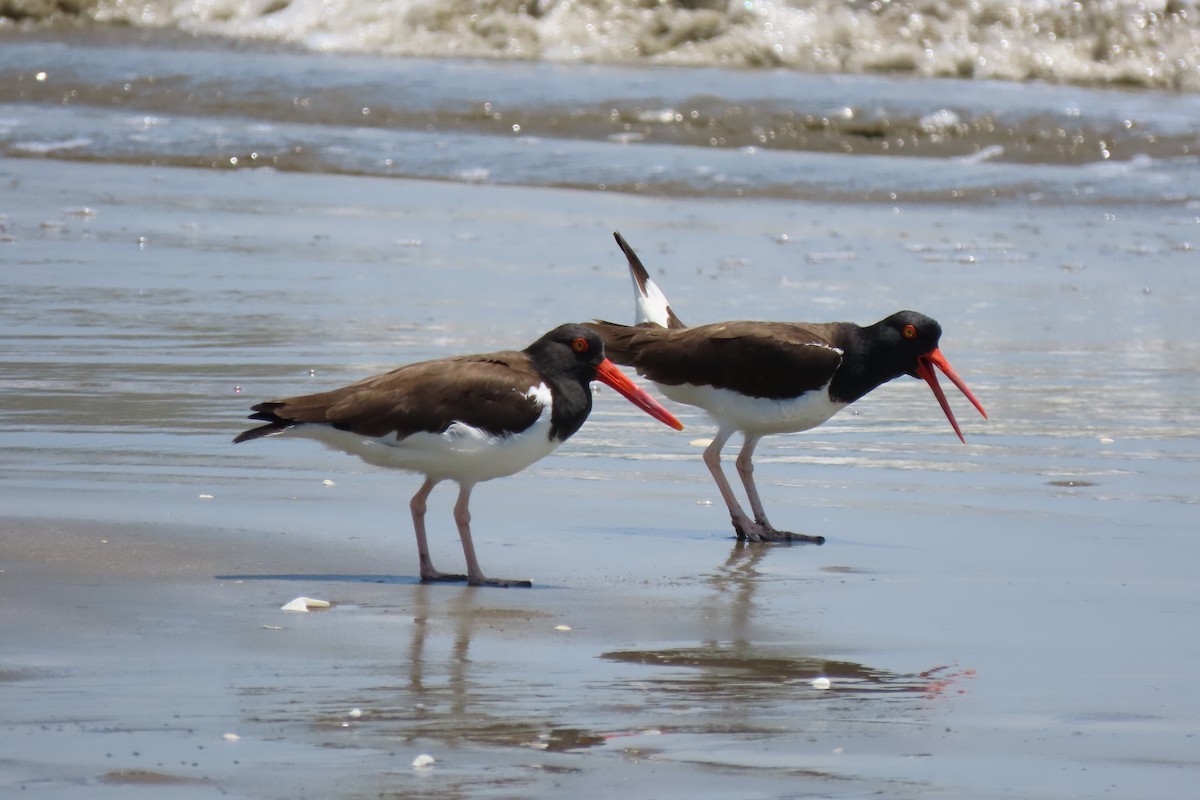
(757, 415)
(462, 453)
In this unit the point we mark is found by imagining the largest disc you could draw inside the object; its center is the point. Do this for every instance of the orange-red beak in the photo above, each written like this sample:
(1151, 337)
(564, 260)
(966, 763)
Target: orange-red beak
(925, 371)
(607, 373)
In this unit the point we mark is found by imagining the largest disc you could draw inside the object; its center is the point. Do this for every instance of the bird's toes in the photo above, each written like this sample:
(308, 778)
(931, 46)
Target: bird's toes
(751, 531)
(788, 536)
(761, 532)
(504, 583)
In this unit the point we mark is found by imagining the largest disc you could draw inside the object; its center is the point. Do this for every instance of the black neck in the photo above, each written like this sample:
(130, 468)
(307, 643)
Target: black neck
(865, 364)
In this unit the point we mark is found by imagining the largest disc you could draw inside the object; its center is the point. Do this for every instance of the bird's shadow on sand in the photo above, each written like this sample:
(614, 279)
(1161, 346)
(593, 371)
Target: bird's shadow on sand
(393, 580)
(411, 580)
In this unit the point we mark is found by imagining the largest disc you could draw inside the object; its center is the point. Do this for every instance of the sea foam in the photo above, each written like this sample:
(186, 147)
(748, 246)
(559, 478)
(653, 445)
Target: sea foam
(1146, 43)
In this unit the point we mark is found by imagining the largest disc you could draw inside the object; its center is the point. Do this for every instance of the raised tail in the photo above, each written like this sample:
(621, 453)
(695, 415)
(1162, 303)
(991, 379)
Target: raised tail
(650, 303)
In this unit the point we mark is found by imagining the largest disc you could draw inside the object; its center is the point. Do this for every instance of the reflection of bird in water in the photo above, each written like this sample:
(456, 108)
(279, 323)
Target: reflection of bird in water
(449, 699)
(736, 582)
(455, 700)
(742, 561)
(741, 667)
(453, 676)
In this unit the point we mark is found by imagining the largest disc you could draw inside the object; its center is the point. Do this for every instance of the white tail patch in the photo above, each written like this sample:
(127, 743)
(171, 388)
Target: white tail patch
(651, 304)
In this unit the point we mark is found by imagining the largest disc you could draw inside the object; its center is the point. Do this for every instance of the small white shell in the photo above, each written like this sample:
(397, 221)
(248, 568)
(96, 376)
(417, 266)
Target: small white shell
(423, 761)
(821, 683)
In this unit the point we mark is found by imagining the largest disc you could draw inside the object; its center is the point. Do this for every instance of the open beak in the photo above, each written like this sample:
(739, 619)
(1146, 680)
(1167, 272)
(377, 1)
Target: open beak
(925, 371)
(607, 373)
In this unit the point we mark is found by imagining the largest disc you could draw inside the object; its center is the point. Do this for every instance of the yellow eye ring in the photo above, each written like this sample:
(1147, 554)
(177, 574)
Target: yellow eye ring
(909, 331)
(580, 345)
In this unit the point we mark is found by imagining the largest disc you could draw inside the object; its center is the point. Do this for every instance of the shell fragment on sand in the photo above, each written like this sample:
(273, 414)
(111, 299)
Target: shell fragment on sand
(305, 604)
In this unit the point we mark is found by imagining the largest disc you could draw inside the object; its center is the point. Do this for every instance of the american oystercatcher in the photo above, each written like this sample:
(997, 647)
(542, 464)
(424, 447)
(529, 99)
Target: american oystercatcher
(466, 418)
(769, 377)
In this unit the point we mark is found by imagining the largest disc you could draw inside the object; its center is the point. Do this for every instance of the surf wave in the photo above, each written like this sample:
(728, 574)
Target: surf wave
(1139, 43)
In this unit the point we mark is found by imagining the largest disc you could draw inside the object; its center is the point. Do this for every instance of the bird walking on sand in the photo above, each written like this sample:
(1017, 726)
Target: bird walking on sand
(466, 418)
(769, 377)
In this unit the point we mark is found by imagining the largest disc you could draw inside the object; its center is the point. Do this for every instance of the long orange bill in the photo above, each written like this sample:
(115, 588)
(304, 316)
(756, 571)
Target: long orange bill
(607, 373)
(925, 371)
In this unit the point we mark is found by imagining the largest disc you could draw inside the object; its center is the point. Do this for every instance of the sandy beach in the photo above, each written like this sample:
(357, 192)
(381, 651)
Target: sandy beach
(1010, 618)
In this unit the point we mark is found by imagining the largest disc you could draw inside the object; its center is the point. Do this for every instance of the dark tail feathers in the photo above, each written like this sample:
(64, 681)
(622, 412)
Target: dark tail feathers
(264, 412)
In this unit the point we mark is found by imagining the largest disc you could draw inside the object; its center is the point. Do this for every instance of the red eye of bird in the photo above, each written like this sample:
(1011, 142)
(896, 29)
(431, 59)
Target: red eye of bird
(909, 331)
(580, 345)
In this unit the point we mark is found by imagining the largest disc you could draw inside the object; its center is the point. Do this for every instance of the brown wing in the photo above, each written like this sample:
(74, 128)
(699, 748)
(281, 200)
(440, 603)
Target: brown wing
(486, 391)
(759, 359)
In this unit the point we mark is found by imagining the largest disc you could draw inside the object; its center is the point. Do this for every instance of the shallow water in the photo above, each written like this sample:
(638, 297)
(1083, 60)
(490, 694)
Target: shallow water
(1010, 618)
(119, 96)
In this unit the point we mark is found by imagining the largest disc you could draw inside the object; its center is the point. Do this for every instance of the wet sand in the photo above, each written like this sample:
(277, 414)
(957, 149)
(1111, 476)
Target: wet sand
(1013, 618)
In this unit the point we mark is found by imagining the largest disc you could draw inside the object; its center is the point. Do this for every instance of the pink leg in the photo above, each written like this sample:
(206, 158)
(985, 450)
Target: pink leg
(417, 506)
(462, 518)
(758, 529)
(766, 533)
(745, 468)
(745, 527)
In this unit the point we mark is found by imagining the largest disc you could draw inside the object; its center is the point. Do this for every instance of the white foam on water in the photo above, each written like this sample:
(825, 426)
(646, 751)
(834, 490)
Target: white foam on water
(43, 147)
(1122, 42)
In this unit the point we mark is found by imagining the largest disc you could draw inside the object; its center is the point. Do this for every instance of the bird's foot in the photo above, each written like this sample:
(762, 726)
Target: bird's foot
(763, 532)
(433, 576)
(501, 582)
(788, 536)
